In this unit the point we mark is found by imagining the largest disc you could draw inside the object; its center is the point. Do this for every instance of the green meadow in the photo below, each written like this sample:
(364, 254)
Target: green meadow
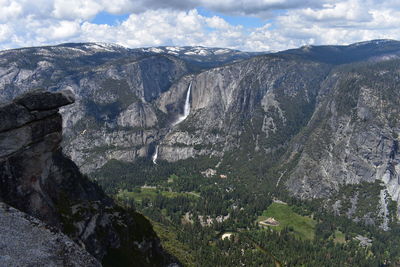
(303, 226)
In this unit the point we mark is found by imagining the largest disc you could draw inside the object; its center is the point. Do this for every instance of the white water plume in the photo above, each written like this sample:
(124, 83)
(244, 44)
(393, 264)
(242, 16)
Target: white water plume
(186, 109)
(155, 155)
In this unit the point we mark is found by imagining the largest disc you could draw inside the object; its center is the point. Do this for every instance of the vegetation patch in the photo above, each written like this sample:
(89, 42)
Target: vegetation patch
(138, 194)
(360, 200)
(339, 237)
(302, 226)
(170, 242)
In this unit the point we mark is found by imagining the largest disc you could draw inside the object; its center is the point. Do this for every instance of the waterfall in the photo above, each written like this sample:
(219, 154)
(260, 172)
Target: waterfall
(186, 109)
(155, 155)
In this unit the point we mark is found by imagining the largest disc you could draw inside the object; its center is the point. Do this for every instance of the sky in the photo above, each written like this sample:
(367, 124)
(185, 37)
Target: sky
(248, 25)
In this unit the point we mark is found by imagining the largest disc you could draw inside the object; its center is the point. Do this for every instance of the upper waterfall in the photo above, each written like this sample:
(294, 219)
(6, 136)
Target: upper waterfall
(186, 109)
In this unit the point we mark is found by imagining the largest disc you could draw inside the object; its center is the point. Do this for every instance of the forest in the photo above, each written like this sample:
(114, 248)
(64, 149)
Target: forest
(191, 212)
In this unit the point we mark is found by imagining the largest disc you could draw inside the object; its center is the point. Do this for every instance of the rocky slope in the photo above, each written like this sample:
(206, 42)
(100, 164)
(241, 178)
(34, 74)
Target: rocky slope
(265, 95)
(36, 178)
(46, 247)
(114, 115)
(353, 136)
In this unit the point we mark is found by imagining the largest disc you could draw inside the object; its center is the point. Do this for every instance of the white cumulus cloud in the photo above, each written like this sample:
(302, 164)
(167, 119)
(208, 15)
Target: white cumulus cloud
(287, 23)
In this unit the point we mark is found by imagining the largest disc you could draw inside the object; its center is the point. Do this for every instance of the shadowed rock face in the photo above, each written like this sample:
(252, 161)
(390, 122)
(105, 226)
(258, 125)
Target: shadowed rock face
(36, 178)
(29, 142)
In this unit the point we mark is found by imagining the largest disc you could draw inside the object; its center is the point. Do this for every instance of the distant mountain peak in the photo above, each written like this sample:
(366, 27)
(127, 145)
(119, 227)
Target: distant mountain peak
(191, 50)
(374, 42)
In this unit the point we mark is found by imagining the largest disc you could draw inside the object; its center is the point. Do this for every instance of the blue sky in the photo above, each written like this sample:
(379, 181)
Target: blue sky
(108, 18)
(251, 25)
(246, 21)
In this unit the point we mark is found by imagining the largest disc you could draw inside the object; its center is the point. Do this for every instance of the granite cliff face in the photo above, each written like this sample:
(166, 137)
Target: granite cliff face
(325, 117)
(337, 123)
(353, 135)
(36, 178)
(253, 95)
(114, 116)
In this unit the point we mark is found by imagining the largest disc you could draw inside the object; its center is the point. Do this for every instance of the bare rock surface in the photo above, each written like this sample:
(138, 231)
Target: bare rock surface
(27, 241)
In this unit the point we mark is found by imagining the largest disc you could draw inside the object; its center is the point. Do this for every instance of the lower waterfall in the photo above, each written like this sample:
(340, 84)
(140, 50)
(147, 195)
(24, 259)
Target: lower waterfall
(154, 157)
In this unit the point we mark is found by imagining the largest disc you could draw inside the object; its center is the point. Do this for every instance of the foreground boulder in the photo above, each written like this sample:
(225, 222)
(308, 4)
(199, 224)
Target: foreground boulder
(36, 178)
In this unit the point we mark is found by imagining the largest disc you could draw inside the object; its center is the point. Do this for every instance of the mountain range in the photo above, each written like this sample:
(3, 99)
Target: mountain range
(317, 122)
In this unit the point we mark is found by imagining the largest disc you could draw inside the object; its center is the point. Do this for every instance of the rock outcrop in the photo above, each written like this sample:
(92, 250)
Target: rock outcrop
(27, 241)
(36, 178)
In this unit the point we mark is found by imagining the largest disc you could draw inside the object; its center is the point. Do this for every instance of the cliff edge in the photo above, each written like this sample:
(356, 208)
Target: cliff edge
(36, 178)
